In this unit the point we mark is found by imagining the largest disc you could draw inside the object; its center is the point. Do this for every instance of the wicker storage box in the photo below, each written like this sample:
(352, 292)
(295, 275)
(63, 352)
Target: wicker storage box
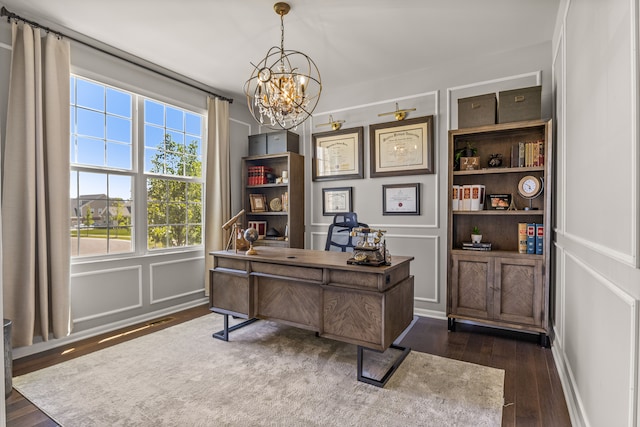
(519, 104)
(477, 111)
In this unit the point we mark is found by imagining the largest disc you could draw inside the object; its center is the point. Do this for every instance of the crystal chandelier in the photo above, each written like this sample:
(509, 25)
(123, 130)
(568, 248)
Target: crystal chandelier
(284, 87)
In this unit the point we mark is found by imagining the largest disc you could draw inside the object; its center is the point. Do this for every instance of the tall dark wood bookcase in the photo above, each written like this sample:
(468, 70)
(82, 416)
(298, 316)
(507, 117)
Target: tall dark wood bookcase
(289, 220)
(500, 287)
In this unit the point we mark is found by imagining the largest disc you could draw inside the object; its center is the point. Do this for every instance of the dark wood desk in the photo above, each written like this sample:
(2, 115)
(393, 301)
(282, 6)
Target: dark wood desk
(316, 290)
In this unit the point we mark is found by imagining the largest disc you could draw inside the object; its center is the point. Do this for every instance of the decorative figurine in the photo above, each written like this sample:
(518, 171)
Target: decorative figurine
(495, 160)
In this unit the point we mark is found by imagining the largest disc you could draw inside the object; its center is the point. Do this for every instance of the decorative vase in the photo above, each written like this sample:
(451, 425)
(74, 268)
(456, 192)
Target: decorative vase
(476, 238)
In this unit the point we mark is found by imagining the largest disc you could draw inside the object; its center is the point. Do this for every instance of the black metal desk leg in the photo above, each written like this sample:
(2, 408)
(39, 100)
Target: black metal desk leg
(224, 334)
(396, 364)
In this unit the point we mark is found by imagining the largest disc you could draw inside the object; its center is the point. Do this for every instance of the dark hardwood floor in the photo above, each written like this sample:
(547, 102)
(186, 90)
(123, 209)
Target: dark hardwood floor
(533, 394)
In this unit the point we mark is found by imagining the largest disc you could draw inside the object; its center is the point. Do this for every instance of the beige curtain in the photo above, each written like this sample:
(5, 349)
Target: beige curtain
(217, 185)
(35, 188)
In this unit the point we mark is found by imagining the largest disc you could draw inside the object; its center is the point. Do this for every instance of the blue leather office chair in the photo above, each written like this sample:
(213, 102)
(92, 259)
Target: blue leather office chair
(338, 236)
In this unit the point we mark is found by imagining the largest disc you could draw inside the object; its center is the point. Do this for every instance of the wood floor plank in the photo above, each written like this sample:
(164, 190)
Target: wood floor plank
(504, 357)
(527, 390)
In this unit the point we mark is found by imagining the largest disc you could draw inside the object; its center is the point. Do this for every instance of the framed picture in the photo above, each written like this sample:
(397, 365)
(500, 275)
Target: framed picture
(338, 154)
(258, 202)
(402, 147)
(336, 200)
(401, 199)
(499, 201)
(260, 226)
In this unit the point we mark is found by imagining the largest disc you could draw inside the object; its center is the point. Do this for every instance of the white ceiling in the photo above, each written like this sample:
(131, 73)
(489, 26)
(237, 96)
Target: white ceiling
(214, 41)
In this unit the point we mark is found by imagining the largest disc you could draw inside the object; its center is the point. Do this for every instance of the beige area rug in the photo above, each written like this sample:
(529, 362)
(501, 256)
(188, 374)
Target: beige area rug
(267, 374)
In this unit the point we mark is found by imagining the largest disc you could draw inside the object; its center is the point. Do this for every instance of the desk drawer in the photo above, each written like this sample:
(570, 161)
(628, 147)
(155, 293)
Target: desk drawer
(288, 271)
(233, 264)
(230, 292)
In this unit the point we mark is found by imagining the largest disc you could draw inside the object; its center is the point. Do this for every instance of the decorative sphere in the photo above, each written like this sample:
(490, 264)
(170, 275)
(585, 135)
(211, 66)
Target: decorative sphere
(251, 235)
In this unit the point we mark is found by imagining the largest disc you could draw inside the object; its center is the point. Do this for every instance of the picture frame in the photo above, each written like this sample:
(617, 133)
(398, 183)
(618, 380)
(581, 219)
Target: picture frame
(258, 202)
(499, 201)
(402, 147)
(337, 200)
(401, 199)
(338, 154)
(260, 226)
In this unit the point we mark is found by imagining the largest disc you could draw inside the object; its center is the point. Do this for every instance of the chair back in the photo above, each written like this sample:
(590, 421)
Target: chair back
(339, 235)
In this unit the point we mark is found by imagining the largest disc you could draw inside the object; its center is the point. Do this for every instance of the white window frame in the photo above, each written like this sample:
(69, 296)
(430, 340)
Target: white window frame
(139, 235)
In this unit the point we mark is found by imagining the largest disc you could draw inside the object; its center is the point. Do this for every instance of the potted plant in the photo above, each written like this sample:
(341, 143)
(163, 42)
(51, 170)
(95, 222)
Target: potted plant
(476, 236)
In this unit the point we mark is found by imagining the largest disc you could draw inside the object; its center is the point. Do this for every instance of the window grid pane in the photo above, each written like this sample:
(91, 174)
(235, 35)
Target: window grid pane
(101, 220)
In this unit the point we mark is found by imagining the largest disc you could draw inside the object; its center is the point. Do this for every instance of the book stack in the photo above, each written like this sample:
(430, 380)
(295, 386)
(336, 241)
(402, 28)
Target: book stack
(257, 175)
(527, 154)
(482, 246)
(468, 197)
(530, 238)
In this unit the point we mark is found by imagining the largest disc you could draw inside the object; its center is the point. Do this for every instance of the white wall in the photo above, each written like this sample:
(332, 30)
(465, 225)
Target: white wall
(595, 73)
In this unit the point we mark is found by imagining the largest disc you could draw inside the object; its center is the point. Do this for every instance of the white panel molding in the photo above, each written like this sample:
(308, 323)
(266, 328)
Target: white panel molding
(240, 122)
(5, 46)
(536, 74)
(372, 104)
(635, 131)
(436, 270)
(574, 401)
(152, 300)
(558, 333)
(560, 144)
(137, 268)
(436, 97)
(602, 249)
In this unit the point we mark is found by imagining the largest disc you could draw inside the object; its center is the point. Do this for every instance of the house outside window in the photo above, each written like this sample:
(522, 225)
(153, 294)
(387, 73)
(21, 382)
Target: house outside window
(108, 159)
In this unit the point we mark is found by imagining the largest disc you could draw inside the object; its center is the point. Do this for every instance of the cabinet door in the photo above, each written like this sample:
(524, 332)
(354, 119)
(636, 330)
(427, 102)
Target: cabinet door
(518, 295)
(472, 286)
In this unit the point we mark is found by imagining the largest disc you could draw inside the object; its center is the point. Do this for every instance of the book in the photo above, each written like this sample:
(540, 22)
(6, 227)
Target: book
(466, 198)
(482, 246)
(521, 151)
(476, 191)
(522, 237)
(476, 245)
(455, 198)
(531, 238)
(539, 239)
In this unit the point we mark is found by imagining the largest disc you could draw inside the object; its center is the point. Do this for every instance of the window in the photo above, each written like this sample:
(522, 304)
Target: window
(173, 146)
(105, 149)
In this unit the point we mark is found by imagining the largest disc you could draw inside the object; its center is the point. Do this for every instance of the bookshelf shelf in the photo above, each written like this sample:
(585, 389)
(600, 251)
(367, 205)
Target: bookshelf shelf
(501, 287)
(485, 171)
(267, 213)
(537, 212)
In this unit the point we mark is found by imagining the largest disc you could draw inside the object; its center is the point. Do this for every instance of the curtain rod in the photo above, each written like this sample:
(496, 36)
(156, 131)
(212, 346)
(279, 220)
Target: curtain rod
(11, 15)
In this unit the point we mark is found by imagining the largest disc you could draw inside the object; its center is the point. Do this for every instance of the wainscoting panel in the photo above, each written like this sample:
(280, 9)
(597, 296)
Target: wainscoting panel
(169, 282)
(599, 346)
(103, 292)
